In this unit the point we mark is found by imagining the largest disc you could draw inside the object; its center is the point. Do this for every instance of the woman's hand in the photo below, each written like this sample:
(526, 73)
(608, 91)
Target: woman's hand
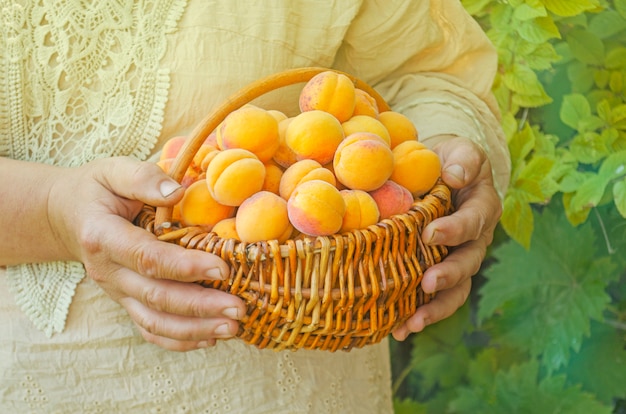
(469, 231)
(91, 209)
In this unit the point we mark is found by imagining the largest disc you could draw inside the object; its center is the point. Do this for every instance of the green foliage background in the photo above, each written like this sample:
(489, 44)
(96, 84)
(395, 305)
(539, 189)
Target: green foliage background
(544, 330)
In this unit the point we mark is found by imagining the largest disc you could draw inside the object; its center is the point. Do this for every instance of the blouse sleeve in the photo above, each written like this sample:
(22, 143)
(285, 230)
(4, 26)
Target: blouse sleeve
(434, 63)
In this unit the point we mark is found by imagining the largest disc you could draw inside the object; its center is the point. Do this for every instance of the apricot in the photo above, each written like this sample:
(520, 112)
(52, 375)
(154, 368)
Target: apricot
(263, 216)
(165, 164)
(199, 157)
(416, 167)
(302, 171)
(316, 208)
(314, 135)
(273, 175)
(365, 104)
(330, 92)
(226, 229)
(391, 199)
(199, 208)
(251, 128)
(234, 175)
(364, 123)
(172, 147)
(361, 210)
(363, 161)
(284, 156)
(278, 115)
(400, 127)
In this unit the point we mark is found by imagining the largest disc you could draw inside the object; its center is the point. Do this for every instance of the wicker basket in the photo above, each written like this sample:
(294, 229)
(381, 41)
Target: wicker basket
(329, 293)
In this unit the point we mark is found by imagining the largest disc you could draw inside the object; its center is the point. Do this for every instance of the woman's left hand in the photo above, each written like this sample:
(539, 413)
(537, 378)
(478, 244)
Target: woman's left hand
(468, 231)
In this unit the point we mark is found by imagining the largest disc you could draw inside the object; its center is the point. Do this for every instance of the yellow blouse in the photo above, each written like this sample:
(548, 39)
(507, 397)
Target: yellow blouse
(82, 80)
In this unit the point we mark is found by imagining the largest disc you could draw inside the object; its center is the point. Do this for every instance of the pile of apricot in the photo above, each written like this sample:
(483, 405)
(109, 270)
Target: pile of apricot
(337, 166)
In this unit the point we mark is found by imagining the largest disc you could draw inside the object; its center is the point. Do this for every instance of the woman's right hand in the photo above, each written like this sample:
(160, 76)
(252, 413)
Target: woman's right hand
(91, 208)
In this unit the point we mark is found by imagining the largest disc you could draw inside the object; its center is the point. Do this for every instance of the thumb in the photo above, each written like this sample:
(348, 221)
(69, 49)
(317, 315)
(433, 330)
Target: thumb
(461, 161)
(138, 180)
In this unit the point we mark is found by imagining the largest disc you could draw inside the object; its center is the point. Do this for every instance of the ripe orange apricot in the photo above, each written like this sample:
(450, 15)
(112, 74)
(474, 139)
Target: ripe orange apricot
(226, 229)
(301, 171)
(365, 104)
(234, 175)
(316, 208)
(172, 147)
(199, 208)
(314, 135)
(416, 168)
(400, 127)
(361, 210)
(364, 123)
(330, 92)
(363, 161)
(284, 156)
(273, 175)
(391, 199)
(251, 128)
(263, 216)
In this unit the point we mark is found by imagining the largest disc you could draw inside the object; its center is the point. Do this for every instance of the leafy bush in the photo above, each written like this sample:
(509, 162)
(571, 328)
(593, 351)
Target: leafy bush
(544, 328)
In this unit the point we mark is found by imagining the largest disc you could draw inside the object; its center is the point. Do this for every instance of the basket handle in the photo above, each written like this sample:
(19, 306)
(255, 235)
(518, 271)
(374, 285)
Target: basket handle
(163, 215)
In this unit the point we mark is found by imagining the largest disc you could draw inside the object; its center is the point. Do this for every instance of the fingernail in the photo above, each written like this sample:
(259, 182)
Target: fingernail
(232, 313)
(433, 237)
(457, 172)
(214, 273)
(203, 344)
(167, 188)
(223, 330)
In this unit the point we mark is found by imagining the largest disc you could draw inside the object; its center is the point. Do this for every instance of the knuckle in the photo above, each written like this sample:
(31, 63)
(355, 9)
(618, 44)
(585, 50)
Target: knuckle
(155, 298)
(146, 261)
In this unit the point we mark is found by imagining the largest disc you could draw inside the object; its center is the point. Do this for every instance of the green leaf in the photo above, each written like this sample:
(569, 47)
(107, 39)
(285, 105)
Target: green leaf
(439, 353)
(527, 12)
(590, 147)
(586, 47)
(517, 218)
(555, 288)
(408, 406)
(521, 390)
(589, 193)
(620, 6)
(618, 114)
(569, 7)
(615, 59)
(538, 30)
(581, 76)
(606, 24)
(614, 166)
(574, 108)
(619, 195)
(616, 82)
(600, 366)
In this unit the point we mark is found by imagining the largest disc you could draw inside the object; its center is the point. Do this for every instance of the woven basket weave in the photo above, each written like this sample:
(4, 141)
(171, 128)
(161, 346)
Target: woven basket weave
(328, 292)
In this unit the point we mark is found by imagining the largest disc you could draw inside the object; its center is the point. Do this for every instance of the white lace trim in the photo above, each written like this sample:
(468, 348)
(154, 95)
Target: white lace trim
(62, 60)
(45, 291)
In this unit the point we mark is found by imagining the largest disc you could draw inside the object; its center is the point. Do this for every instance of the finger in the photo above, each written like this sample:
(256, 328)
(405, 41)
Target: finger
(137, 249)
(462, 263)
(135, 180)
(461, 161)
(181, 328)
(479, 212)
(175, 345)
(179, 298)
(442, 306)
